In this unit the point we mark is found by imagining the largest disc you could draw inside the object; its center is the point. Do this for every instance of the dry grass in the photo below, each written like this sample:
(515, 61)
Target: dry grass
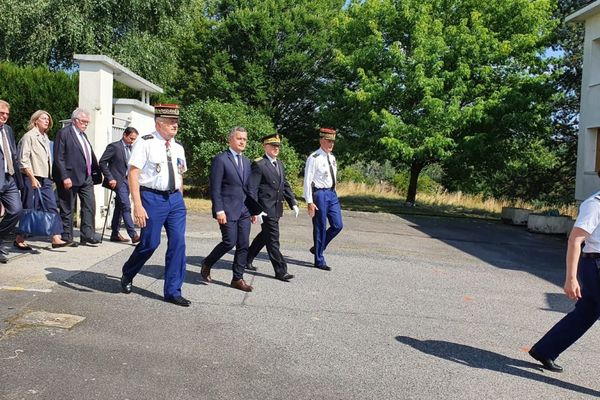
(384, 198)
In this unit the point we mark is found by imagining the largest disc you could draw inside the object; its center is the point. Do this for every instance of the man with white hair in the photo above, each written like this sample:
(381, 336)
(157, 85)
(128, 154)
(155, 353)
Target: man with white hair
(75, 170)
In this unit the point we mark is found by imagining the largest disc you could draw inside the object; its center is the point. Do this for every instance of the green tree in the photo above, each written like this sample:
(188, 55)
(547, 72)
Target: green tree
(272, 55)
(204, 130)
(423, 73)
(29, 89)
(49, 32)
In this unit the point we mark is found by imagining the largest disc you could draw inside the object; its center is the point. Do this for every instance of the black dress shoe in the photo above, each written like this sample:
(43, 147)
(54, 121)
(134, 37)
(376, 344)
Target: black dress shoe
(3, 259)
(324, 267)
(126, 285)
(180, 301)
(285, 277)
(251, 267)
(22, 246)
(65, 244)
(312, 250)
(546, 362)
(84, 240)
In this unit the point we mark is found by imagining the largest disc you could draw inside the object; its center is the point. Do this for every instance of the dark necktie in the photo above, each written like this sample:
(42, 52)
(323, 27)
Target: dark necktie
(331, 171)
(86, 151)
(10, 169)
(276, 167)
(239, 165)
(128, 151)
(170, 167)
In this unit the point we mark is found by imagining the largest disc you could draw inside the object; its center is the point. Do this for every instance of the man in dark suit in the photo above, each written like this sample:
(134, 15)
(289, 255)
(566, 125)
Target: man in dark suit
(114, 168)
(75, 171)
(229, 178)
(10, 178)
(269, 188)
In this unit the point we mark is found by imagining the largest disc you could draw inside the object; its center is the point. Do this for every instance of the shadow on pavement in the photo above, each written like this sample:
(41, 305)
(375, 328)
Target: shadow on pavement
(86, 281)
(483, 359)
(500, 245)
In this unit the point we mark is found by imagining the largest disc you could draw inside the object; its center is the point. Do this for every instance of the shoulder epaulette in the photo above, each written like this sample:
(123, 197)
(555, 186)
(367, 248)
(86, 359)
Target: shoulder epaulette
(148, 136)
(258, 159)
(315, 155)
(597, 197)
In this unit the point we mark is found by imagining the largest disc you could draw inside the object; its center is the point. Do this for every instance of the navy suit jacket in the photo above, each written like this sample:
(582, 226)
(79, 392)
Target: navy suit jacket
(269, 188)
(114, 163)
(228, 190)
(10, 136)
(69, 158)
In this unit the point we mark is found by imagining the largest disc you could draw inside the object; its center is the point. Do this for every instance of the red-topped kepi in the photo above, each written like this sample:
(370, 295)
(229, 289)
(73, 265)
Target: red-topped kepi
(327, 133)
(166, 110)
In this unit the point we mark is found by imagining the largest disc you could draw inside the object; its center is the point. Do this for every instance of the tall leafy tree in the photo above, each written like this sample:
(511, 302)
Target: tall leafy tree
(272, 55)
(427, 72)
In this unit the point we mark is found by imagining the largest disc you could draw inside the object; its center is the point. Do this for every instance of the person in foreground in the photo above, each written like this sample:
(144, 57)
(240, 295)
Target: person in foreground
(269, 187)
(229, 178)
(321, 198)
(582, 283)
(156, 167)
(114, 168)
(36, 166)
(10, 178)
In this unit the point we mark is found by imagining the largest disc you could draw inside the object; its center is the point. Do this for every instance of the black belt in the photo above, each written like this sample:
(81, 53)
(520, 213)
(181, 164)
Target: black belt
(316, 189)
(590, 255)
(163, 192)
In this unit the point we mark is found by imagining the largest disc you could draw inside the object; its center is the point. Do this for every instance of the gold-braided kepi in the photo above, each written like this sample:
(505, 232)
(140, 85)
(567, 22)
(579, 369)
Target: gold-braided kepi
(327, 133)
(166, 110)
(272, 138)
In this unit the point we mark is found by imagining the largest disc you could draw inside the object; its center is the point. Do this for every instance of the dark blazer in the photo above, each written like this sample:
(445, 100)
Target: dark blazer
(10, 136)
(69, 159)
(113, 163)
(228, 190)
(269, 188)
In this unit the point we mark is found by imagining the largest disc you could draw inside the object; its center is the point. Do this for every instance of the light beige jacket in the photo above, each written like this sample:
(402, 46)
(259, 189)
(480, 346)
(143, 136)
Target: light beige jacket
(34, 153)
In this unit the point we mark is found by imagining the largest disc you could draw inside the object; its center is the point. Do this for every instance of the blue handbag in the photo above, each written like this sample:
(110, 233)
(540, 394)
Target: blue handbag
(38, 222)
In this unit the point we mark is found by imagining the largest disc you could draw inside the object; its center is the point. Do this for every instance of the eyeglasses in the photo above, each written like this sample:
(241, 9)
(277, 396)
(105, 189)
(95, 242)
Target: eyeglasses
(83, 121)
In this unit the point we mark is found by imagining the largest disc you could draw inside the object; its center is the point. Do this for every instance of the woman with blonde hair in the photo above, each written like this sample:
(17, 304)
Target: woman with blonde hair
(36, 166)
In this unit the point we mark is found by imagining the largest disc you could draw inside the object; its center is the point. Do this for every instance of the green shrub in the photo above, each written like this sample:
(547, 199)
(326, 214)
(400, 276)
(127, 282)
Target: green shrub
(371, 173)
(205, 126)
(425, 184)
(29, 89)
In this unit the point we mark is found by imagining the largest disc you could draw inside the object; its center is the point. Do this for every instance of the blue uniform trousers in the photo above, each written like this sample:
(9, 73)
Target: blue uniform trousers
(329, 209)
(577, 322)
(122, 209)
(166, 210)
(11, 200)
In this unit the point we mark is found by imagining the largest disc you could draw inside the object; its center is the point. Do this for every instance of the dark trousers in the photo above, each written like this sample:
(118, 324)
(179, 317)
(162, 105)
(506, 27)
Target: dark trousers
(11, 200)
(166, 210)
(573, 325)
(269, 236)
(87, 205)
(233, 234)
(30, 200)
(122, 209)
(328, 210)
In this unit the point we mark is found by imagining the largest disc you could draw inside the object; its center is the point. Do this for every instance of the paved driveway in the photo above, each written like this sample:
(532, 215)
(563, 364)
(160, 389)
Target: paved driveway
(415, 308)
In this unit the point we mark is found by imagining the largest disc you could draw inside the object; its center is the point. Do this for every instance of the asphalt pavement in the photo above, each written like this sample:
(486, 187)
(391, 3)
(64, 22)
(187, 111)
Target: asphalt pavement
(416, 307)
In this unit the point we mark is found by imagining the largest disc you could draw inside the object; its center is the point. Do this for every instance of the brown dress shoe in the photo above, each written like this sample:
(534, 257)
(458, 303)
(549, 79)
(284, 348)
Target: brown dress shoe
(118, 238)
(241, 285)
(205, 272)
(136, 238)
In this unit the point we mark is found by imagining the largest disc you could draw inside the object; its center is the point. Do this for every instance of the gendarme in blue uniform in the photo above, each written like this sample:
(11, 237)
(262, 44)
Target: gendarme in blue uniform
(319, 189)
(164, 206)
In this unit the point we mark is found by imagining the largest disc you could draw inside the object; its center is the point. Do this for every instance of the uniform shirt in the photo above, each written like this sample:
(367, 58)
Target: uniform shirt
(589, 220)
(317, 173)
(150, 156)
